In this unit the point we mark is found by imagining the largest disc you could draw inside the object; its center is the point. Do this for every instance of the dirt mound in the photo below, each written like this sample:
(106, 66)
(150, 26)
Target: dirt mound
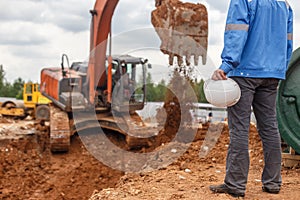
(28, 170)
(189, 177)
(4, 120)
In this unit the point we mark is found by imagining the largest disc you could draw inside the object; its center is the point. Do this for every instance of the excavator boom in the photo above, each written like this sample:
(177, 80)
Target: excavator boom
(100, 29)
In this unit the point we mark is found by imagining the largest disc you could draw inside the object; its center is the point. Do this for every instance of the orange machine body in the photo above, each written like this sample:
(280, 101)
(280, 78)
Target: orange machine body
(54, 83)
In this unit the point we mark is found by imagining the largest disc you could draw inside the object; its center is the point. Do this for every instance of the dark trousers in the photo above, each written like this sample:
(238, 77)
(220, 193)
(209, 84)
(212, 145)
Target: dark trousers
(261, 95)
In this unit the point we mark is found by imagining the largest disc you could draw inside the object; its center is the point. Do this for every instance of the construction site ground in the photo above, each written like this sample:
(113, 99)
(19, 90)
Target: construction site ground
(28, 170)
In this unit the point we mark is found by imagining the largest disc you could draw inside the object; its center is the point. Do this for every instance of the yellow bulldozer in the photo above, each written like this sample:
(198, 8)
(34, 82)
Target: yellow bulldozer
(34, 104)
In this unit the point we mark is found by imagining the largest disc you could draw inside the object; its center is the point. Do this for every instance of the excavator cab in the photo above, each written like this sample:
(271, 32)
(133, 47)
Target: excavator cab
(127, 80)
(129, 75)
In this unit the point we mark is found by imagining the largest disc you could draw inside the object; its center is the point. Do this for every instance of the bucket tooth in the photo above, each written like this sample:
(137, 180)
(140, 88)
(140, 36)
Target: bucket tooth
(171, 59)
(196, 59)
(188, 59)
(180, 60)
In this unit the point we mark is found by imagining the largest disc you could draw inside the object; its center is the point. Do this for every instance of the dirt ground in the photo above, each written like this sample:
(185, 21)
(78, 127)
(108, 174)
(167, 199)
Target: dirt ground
(28, 170)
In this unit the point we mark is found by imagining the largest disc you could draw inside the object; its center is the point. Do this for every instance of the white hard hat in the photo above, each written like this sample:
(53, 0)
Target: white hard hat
(222, 93)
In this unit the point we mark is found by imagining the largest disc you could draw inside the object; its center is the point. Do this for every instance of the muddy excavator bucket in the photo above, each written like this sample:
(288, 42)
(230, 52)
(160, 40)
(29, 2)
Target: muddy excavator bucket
(182, 29)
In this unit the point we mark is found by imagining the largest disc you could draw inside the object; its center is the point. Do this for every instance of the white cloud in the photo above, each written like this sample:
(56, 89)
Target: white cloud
(70, 15)
(131, 15)
(24, 10)
(22, 33)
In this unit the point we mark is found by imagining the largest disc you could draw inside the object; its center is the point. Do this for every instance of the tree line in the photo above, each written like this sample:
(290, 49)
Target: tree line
(7, 89)
(157, 92)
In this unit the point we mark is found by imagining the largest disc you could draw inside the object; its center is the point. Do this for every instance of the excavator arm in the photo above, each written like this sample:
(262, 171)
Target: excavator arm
(100, 29)
(182, 28)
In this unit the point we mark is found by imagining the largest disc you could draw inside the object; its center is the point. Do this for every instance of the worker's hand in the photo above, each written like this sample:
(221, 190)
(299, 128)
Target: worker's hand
(219, 74)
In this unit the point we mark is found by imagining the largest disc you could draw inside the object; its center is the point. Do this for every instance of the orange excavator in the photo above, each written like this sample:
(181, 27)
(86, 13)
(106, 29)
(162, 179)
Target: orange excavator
(96, 93)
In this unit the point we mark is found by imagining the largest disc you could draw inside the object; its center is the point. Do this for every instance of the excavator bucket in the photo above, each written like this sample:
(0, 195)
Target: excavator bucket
(182, 29)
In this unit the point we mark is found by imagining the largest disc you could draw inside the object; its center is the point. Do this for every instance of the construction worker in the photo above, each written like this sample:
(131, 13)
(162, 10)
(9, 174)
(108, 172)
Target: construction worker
(127, 82)
(257, 49)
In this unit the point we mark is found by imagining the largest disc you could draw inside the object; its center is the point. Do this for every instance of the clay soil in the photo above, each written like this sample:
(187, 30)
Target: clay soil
(28, 170)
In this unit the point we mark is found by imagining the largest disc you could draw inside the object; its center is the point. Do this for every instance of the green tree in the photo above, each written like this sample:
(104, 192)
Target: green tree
(154, 92)
(4, 86)
(2, 77)
(199, 91)
(7, 89)
(201, 97)
(18, 88)
(160, 90)
(150, 89)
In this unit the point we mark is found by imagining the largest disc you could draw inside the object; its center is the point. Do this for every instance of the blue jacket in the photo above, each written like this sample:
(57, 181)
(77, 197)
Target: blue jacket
(258, 39)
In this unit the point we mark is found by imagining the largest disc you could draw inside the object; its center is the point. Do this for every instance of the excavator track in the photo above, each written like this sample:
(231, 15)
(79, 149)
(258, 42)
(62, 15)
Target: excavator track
(59, 130)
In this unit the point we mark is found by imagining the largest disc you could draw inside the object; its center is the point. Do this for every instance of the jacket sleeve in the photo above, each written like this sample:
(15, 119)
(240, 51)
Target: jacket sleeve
(290, 36)
(236, 33)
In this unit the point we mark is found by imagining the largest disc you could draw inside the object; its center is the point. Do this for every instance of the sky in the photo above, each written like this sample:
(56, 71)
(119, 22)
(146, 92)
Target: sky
(35, 33)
